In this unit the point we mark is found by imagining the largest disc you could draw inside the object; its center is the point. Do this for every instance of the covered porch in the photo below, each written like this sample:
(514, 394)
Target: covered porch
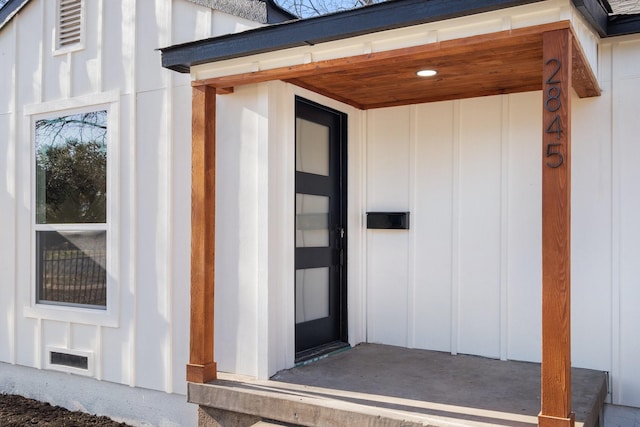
(546, 57)
(379, 385)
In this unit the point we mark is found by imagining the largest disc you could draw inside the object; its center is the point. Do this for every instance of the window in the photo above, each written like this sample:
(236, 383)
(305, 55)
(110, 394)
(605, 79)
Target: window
(71, 199)
(69, 26)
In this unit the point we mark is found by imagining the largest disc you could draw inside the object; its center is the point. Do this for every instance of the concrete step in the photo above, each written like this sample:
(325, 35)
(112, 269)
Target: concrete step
(381, 386)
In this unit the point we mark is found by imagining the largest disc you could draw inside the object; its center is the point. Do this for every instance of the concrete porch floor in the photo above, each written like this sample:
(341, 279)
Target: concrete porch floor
(378, 385)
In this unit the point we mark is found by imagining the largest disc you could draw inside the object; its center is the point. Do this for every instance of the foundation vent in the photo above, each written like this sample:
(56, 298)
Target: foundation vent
(66, 360)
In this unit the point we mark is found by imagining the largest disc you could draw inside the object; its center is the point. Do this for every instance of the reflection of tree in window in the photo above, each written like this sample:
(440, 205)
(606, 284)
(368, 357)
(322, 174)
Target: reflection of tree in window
(71, 163)
(71, 188)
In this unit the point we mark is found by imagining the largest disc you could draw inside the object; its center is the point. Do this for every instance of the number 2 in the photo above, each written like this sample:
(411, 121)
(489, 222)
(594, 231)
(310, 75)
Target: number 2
(550, 80)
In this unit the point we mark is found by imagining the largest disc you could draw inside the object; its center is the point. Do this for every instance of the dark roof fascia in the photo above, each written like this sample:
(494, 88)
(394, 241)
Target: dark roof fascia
(596, 13)
(620, 25)
(276, 14)
(10, 9)
(599, 15)
(366, 20)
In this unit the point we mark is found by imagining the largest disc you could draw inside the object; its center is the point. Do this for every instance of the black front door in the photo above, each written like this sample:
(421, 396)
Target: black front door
(320, 257)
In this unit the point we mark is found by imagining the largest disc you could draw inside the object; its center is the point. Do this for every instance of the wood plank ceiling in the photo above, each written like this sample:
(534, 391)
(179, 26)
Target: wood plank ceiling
(490, 64)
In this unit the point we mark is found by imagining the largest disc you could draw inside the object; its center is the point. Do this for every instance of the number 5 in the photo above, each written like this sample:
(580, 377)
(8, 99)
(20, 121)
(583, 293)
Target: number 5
(552, 152)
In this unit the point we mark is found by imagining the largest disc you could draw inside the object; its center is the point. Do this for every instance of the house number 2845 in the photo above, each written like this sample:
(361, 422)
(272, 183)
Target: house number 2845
(553, 103)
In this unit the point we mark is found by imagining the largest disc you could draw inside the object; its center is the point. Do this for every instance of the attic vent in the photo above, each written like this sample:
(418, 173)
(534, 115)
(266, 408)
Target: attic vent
(69, 32)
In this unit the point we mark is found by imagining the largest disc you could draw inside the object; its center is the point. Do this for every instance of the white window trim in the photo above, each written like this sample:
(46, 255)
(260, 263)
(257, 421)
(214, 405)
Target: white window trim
(74, 47)
(108, 317)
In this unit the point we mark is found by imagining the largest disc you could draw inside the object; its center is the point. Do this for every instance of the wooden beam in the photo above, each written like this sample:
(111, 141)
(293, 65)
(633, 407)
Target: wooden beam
(461, 46)
(487, 64)
(202, 367)
(556, 230)
(583, 79)
(224, 90)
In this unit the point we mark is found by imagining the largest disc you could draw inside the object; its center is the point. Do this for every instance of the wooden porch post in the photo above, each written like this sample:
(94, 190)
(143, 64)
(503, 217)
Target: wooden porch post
(556, 230)
(201, 367)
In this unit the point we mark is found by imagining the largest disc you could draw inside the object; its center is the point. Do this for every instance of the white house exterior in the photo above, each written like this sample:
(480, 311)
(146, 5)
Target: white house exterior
(465, 277)
(132, 349)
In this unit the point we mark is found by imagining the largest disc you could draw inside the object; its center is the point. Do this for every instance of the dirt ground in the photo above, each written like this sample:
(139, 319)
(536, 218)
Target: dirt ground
(18, 411)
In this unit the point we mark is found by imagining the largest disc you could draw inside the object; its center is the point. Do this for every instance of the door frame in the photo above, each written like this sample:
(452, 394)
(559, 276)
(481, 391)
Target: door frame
(276, 292)
(341, 158)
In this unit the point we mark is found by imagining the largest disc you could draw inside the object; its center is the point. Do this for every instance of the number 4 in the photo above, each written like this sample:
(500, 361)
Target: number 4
(555, 126)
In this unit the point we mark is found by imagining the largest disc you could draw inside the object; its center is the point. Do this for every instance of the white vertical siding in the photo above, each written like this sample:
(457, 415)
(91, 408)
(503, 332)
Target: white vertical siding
(626, 128)
(432, 223)
(387, 180)
(54, 334)
(86, 64)
(28, 90)
(149, 345)
(591, 219)
(87, 337)
(152, 32)
(118, 341)
(7, 53)
(238, 210)
(181, 226)
(475, 164)
(117, 46)
(58, 79)
(524, 239)
(190, 22)
(474, 279)
(152, 231)
(276, 334)
(8, 196)
(465, 278)
(7, 235)
(479, 226)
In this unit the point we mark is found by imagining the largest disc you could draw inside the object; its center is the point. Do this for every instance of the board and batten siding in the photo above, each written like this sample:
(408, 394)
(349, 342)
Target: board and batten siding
(625, 316)
(148, 346)
(466, 278)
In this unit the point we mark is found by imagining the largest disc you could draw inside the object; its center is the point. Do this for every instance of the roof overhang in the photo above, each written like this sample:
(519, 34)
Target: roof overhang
(620, 25)
(10, 9)
(489, 64)
(486, 63)
(337, 26)
(379, 17)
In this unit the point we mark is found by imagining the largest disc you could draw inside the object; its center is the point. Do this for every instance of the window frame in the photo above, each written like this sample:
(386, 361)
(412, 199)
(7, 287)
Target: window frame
(109, 315)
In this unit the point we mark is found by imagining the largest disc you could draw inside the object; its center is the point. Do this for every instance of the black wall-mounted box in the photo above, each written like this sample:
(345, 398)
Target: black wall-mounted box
(388, 220)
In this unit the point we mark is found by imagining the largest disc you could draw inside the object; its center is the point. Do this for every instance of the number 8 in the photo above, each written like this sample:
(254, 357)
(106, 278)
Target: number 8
(551, 97)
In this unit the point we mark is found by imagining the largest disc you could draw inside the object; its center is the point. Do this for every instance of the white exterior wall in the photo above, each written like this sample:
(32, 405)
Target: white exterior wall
(145, 343)
(467, 277)
(254, 303)
(625, 295)
(464, 279)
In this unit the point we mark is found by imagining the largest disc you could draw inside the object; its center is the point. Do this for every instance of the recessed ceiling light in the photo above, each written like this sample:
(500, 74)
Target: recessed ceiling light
(427, 73)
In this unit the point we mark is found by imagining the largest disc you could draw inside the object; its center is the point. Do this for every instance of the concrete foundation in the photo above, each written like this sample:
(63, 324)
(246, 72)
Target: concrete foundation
(377, 385)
